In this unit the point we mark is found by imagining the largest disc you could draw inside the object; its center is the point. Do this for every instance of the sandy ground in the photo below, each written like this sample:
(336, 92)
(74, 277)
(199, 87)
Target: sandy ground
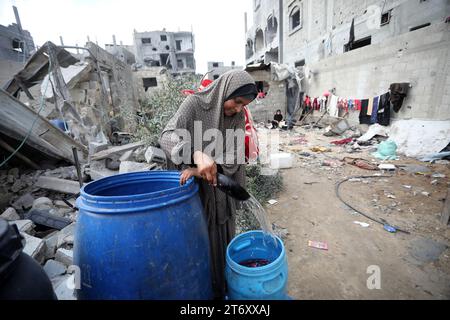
(412, 266)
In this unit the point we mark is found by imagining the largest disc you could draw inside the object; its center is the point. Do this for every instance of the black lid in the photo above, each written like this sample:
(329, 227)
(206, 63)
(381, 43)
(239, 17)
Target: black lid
(10, 245)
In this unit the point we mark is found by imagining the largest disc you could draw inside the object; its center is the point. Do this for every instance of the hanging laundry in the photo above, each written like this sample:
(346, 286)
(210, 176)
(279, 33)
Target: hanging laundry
(363, 117)
(398, 93)
(384, 110)
(374, 116)
(370, 107)
(316, 104)
(357, 105)
(333, 109)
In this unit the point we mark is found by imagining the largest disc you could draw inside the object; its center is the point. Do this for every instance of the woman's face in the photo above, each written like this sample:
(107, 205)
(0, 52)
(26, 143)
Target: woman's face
(235, 105)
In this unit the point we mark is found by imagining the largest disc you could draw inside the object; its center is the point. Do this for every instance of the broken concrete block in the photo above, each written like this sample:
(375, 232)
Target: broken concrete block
(64, 256)
(155, 155)
(66, 235)
(51, 242)
(54, 268)
(18, 185)
(116, 151)
(59, 185)
(42, 203)
(98, 171)
(14, 173)
(130, 166)
(127, 156)
(34, 247)
(95, 147)
(10, 214)
(26, 226)
(65, 288)
(24, 202)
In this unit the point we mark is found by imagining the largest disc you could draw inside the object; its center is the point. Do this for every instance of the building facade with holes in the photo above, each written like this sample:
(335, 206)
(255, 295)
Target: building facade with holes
(173, 50)
(216, 69)
(394, 41)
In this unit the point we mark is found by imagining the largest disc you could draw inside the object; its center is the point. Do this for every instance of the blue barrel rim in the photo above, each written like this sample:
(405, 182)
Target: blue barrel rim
(256, 271)
(142, 201)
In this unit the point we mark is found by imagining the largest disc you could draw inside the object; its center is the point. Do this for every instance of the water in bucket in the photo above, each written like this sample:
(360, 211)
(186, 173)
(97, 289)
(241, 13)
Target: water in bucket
(252, 205)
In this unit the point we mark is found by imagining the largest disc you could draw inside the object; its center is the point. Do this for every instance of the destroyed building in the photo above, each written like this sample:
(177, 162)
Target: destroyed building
(173, 50)
(387, 43)
(216, 69)
(16, 46)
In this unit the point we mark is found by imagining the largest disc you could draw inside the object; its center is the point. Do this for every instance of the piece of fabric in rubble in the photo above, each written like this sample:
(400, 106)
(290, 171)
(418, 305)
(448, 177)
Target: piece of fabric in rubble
(207, 106)
(374, 115)
(398, 93)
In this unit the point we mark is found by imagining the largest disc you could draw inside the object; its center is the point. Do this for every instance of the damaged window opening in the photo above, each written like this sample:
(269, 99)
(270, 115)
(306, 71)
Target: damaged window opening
(149, 83)
(178, 44)
(146, 40)
(167, 48)
(262, 86)
(271, 29)
(163, 38)
(17, 45)
(420, 27)
(164, 59)
(300, 63)
(295, 18)
(216, 76)
(385, 18)
(180, 64)
(215, 64)
(358, 44)
(259, 40)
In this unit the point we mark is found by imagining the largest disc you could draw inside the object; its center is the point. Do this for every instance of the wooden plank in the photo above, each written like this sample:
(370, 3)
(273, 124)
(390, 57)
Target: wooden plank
(17, 119)
(445, 216)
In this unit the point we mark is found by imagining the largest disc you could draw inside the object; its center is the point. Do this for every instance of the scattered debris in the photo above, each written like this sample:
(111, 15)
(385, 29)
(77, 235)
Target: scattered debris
(386, 166)
(59, 185)
(320, 149)
(281, 160)
(362, 224)
(34, 247)
(360, 163)
(438, 175)
(45, 218)
(54, 268)
(318, 245)
(10, 214)
(426, 194)
(271, 202)
(342, 142)
(64, 256)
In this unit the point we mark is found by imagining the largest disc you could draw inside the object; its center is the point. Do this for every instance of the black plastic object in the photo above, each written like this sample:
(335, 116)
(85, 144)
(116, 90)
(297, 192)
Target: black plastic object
(45, 218)
(231, 187)
(21, 277)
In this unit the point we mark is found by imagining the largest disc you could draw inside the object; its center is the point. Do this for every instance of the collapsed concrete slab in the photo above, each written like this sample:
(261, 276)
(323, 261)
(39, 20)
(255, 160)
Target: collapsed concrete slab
(59, 185)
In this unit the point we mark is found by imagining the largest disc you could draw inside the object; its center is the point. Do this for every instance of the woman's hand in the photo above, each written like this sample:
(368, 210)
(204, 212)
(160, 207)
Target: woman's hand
(206, 167)
(187, 174)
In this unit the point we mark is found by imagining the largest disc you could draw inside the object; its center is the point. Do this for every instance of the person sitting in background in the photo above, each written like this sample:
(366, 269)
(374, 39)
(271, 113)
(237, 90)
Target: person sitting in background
(277, 118)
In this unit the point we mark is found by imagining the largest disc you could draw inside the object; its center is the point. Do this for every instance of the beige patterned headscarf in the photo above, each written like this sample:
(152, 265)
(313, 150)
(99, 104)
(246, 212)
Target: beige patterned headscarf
(207, 106)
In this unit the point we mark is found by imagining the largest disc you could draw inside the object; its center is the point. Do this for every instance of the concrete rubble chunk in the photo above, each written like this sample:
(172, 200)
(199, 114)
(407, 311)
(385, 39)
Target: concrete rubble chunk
(130, 166)
(54, 268)
(64, 287)
(51, 244)
(155, 155)
(116, 151)
(24, 202)
(98, 171)
(42, 203)
(66, 235)
(64, 256)
(25, 226)
(34, 247)
(127, 156)
(10, 214)
(59, 185)
(95, 147)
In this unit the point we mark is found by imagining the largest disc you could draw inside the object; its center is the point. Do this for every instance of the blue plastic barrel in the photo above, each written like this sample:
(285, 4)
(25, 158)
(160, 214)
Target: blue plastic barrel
(142, 236)
(268, 282)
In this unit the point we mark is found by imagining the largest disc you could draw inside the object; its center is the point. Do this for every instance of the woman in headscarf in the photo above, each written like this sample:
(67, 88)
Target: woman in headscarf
(218, 107)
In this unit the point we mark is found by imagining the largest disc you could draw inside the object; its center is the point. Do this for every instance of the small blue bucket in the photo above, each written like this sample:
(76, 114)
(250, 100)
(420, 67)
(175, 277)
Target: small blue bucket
(265, 282)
